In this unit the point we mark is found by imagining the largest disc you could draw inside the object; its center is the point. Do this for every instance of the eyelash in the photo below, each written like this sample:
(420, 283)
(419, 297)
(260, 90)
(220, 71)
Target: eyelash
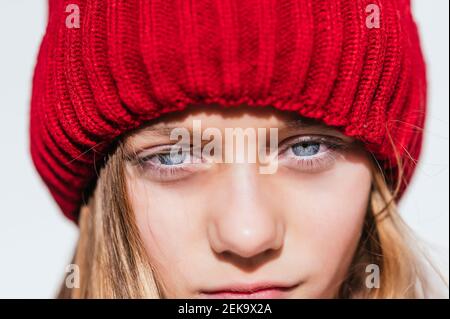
(315, 163)
(165, 173)
(318, 162)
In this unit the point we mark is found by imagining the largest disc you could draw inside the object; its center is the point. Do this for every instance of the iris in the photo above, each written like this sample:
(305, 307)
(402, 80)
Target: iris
(172, 159)
(306, 149)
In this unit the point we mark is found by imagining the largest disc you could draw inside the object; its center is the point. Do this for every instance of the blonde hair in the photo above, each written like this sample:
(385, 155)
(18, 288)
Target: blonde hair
(113, 262)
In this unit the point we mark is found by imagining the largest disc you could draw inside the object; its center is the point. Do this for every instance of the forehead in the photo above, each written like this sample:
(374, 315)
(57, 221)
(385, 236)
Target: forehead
(239, 117)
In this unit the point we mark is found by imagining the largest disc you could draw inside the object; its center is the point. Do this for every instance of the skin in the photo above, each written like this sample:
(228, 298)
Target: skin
(225, 224)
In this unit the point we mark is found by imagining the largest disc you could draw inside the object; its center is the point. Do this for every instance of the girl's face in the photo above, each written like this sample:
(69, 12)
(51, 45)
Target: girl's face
(217, 229)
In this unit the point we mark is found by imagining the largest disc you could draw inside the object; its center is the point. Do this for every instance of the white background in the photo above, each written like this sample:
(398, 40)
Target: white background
(37, 242)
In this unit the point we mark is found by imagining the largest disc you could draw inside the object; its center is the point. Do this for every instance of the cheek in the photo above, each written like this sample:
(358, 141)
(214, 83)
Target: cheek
(340, 209)
(166, 227)
(327, 212)
(337, 201)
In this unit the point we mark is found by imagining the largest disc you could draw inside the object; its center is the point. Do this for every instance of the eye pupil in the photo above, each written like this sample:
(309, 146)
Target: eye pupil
(306, 148)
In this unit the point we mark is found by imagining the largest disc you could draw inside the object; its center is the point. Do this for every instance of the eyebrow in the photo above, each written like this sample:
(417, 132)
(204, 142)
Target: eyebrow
(298, 123)
(151, 131)
(160, 130)
(295, 123)
(304, 123)
(307, 123)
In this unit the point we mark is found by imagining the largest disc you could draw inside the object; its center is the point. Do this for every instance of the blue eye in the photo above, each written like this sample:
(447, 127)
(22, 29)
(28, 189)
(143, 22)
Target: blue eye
(306, 148)
(171, 159)
(311, 154)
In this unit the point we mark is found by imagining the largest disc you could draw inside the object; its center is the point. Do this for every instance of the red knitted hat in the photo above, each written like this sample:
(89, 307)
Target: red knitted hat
(130, 61)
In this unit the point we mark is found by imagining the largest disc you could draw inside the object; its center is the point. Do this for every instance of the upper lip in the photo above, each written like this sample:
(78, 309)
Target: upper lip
(249, 288)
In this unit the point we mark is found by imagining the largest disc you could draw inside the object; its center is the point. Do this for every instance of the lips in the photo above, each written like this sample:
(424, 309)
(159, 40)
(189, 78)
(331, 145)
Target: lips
(256, 291)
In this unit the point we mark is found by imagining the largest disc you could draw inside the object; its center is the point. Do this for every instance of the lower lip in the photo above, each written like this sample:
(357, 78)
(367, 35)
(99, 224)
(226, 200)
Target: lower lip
(270, 293)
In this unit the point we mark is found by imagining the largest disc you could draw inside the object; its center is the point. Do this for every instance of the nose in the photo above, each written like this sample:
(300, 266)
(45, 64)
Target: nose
(245, 220)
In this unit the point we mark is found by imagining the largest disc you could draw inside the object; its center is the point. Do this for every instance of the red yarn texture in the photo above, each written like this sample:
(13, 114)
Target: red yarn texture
(132, 61)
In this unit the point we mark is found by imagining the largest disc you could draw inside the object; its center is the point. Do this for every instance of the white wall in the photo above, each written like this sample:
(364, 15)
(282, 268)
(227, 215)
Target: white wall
(36, 242)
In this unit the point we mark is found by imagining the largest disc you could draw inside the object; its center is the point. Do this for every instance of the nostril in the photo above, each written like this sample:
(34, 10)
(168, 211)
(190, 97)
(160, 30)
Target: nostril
(246, 239)
(249, 263)
(248, 243)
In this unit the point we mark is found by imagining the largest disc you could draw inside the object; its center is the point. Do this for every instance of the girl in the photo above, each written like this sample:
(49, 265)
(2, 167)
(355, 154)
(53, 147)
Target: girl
(341, 83)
